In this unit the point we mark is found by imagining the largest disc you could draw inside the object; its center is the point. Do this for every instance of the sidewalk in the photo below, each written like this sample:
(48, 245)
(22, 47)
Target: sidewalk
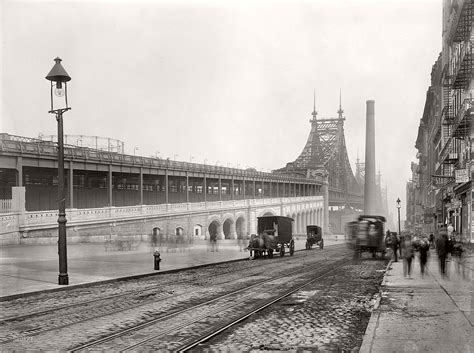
(33, 268)
(423, 314)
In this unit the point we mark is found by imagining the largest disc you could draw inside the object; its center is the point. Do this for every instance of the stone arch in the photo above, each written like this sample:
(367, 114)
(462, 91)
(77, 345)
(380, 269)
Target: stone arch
(241, 227)
(228, 228)
(179, 231)
(156, 236)
(266, 212)
(213, 228)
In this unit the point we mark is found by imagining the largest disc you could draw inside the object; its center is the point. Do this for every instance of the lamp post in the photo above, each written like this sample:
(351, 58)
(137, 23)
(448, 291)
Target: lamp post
(59, 78)
(398, 207)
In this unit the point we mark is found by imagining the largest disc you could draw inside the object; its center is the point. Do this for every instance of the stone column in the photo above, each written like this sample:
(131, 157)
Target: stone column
(220, 231)
(19, 171)
(166, 187)
(140, 187)
(205, 188)
(220, 188)
(252, 221)
(187, 186)
(232, 186)
(110, 185)
(19, 204)
(233, 231)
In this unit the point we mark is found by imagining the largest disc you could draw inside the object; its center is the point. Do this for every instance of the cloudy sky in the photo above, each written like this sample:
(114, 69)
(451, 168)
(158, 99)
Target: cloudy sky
(224, 82)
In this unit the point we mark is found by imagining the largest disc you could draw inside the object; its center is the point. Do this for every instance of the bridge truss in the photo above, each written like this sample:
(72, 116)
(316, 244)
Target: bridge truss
(325, 153)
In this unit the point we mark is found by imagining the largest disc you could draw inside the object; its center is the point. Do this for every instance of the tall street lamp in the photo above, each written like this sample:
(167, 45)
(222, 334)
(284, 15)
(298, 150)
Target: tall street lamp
(398, 207)
(59, 78)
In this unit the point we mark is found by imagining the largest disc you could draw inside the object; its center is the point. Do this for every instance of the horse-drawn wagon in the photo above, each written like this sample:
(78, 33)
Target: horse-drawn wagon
(274, 234)
(367, 234)
(314, 235)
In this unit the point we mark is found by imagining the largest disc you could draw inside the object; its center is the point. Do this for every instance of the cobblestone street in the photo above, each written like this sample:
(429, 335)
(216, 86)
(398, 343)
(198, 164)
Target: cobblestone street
(329, 316)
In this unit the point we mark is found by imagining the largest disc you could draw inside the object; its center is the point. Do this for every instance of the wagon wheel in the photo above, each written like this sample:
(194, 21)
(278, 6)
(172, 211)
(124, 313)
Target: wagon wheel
(282, 250)
(292, 248)
(321, 244)
(270, 253)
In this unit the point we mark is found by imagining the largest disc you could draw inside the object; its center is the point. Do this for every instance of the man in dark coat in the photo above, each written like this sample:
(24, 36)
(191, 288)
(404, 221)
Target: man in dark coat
(442, 248)
(391, 241)
(424, 249)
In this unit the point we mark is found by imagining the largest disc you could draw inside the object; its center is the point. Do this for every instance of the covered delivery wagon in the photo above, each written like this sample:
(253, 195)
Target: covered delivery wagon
(274, 234)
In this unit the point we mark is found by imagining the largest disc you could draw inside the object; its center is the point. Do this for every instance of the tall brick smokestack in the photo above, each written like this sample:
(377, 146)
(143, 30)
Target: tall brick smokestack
(370, 189)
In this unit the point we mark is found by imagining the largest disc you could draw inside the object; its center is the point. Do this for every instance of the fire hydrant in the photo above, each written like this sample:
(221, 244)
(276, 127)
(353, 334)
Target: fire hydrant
(156, 255)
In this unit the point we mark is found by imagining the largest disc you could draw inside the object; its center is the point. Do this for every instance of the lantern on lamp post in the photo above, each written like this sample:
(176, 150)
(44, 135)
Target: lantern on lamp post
(59, 78)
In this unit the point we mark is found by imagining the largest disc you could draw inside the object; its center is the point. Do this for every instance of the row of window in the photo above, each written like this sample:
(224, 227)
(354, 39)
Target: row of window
(49, 178)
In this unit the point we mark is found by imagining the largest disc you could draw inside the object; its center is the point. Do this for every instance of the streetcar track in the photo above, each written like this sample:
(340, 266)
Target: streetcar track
(131, 293)
(37, 331)
(262, 307)
(214, 300)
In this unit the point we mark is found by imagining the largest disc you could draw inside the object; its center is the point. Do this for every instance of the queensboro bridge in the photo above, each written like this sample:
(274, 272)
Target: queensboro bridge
(325, 155)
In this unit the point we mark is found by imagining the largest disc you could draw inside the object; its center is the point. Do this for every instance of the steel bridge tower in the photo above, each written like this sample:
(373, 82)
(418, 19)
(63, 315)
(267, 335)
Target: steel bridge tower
(325, 154)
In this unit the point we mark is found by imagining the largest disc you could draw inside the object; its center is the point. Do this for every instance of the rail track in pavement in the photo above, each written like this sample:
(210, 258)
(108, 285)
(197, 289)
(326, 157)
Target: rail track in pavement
(85, 311)
(185, 329)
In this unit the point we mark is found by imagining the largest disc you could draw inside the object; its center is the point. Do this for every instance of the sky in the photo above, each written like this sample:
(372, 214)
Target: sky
(224, 82)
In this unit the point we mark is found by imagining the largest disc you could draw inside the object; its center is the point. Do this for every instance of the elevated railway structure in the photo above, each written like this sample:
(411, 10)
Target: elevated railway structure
(111, 194)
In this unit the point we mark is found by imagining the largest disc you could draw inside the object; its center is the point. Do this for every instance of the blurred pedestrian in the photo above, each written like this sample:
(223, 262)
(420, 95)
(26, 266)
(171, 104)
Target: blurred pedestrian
(213, 242)
(431, 239)
(240, 241)
(450, 231)
(407, 255)
(423, 249)
(459, 254)
(442, 248)
(391, 242)
(395, 245)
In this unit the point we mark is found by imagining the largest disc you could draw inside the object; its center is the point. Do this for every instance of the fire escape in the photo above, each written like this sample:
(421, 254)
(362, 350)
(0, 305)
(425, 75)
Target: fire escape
(457, 114)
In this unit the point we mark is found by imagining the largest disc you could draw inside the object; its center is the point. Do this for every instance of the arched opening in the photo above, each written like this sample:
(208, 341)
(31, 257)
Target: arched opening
(179, 231)
(213, 228)
(268, 213)
(226, 228)
(197, 230)
(240, 228)
(156, 237)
